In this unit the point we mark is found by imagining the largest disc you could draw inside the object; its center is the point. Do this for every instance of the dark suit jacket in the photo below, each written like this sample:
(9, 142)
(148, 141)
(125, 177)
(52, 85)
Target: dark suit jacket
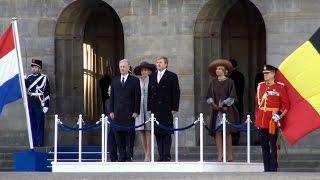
(238, 80)
(125, 100)
(164, 98)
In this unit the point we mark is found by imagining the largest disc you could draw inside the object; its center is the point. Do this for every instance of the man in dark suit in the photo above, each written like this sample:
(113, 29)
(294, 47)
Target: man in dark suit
(163, 101)
(125, 107)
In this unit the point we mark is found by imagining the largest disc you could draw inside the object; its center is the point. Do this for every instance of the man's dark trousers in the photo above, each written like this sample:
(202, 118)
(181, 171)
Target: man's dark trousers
(269, 149)
(164, 145)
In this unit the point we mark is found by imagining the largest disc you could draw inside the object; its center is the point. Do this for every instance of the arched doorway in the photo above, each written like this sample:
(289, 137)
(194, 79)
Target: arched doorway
(88, 38)
(228, 29)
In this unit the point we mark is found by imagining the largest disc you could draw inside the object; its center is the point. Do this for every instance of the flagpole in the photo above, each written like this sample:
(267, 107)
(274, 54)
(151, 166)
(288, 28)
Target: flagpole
(22, 83)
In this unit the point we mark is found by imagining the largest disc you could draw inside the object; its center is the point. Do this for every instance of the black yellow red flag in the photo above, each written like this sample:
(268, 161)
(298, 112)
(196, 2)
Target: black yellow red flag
(300, 71)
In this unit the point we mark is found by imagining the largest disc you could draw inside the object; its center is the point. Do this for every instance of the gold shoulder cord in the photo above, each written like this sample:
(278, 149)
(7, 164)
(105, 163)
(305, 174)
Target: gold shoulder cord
(263, 100)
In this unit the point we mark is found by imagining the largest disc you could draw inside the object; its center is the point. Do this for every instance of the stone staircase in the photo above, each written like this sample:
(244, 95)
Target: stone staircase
(297, 159)
(6, 162)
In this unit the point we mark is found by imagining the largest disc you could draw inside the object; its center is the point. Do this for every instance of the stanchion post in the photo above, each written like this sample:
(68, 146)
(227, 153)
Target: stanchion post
(102, 139)
(80, 137)
(248, 138)
(55, 156)
(224, 137)
(152, 137)
(201, 137)
(106, 138)
(176, 125)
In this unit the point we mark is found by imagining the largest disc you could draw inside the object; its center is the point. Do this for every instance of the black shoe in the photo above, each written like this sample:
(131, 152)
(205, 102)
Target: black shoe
(160, 160)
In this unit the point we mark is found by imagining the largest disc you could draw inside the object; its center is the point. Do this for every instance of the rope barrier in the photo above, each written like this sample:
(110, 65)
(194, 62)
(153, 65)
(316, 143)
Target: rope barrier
(251, 129)
(120, 127)
(176, 129)
(86, 128)
(237, 126)
(212, 131)
(242, 127)
(97, 125)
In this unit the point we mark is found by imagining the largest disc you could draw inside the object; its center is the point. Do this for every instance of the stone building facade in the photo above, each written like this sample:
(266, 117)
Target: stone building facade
(77, 39)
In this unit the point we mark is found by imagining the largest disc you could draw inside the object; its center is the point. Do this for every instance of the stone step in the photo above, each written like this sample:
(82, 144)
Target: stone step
(281, 169)
(294, 159)
(285, 166)
(5, 156)
(300, 163)
(160, 176)
(6, 165)
(6, 169)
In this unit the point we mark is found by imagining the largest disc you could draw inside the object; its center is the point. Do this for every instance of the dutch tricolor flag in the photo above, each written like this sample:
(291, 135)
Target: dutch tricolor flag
(10, 89)
(12, 85)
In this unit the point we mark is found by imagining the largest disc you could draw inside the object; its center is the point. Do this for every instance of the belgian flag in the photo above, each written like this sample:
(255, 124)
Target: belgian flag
(300, 71)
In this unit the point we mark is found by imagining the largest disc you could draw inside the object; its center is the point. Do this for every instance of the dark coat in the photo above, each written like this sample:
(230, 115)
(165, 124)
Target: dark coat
(104, 84)
(219, 91)
(164, 98)
(238, 80)
(107, 107)
(125, 100)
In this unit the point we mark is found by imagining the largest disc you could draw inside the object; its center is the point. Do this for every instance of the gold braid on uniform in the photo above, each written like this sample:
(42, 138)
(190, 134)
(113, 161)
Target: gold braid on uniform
(263, 100)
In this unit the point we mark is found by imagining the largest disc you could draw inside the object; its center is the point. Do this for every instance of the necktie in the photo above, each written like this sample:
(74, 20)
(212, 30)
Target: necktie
(122, 81)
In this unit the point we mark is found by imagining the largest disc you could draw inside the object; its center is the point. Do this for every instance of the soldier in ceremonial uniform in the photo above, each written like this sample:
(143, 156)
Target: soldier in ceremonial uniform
(272, 104)
(38, 92)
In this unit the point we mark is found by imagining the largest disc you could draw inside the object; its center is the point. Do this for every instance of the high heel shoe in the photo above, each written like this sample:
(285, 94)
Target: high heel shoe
(147, 159)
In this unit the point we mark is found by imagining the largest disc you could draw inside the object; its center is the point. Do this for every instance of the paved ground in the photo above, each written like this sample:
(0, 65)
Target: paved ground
(162, 176)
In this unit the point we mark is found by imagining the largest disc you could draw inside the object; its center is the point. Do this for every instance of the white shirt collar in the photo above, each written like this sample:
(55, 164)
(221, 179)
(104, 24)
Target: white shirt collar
(125, 77)
(162, 72)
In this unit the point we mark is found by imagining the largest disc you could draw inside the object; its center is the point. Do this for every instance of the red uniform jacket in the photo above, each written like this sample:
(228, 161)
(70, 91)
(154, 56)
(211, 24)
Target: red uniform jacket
(270, 99)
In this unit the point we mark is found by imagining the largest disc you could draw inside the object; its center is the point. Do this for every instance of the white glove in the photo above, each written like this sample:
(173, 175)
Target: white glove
(276, 117)
(210, 101)
(45, 109)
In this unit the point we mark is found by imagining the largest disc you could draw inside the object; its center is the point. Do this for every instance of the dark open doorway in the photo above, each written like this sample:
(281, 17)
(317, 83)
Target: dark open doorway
(88, 38)
(228, 29)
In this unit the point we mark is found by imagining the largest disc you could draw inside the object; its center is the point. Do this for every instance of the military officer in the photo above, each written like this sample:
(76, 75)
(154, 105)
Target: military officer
(38, 92)
(272, 104)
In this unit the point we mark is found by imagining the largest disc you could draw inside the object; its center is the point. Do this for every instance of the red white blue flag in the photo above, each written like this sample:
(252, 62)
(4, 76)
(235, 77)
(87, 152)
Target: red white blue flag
(10, 89)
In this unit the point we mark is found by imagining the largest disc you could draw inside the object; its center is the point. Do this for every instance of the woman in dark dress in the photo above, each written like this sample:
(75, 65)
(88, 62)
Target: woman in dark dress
(221, 97)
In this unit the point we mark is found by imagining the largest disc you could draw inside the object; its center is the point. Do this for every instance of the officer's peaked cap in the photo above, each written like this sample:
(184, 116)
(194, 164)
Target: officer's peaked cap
(36, 62)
